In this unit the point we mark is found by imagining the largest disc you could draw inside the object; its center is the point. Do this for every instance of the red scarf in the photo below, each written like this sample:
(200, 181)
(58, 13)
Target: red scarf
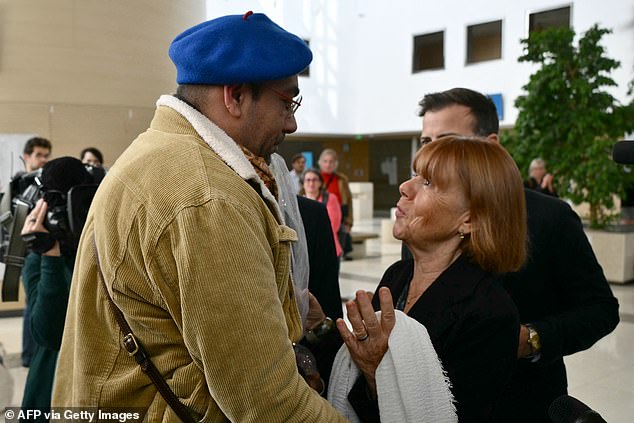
(331, 183)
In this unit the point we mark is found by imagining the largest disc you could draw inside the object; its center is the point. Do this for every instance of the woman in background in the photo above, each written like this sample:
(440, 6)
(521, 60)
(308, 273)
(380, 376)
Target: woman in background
(313, 188)
(91, 156)
(336, 183)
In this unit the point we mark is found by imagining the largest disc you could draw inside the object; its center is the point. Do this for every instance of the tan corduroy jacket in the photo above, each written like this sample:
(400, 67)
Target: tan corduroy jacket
(198, 262)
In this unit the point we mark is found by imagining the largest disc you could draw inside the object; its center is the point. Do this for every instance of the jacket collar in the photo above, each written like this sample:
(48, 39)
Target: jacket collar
(223, 145)
(455, 284)
(438, 308)
(452, 280)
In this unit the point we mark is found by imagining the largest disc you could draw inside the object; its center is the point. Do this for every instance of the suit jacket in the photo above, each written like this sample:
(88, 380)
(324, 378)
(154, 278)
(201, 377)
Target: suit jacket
(563, 293)
(323, 281)
(473, 325)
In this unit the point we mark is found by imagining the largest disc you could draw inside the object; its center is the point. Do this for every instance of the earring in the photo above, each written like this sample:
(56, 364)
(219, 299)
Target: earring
(461, 234)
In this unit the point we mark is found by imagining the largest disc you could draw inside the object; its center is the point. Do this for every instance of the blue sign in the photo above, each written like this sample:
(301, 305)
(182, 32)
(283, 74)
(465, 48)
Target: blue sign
(308, 155)
(499, 105)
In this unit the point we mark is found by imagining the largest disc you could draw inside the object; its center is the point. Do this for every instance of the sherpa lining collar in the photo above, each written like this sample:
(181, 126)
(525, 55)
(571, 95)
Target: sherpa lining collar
(220, 143)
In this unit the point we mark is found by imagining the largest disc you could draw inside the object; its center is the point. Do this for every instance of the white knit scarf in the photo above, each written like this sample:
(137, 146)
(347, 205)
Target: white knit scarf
(411, 384)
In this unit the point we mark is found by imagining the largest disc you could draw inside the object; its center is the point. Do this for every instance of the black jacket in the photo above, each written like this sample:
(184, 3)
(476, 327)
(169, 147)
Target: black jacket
(323, 280)
(563, 293)
(473, 325)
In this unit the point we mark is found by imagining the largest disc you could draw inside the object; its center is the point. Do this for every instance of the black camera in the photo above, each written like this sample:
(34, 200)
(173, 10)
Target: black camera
(67, 211)
(65, 218)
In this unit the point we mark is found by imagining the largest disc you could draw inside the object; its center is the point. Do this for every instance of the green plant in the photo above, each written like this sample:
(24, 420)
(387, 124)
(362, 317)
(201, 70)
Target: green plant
(567, 117)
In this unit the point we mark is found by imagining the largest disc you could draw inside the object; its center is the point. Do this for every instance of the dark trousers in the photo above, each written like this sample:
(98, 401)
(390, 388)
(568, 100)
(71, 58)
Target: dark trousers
(28, 344)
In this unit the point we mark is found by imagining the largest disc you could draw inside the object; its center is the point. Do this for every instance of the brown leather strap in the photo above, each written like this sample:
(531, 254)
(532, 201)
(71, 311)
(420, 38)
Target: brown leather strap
(132, 345)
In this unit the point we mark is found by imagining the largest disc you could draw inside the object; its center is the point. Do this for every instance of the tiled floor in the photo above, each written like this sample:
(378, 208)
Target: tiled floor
(601, 377)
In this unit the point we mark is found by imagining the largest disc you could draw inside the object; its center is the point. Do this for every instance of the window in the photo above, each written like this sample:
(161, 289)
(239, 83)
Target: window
(429, 52)
(484, 42)
(306, 72)
(549, 19)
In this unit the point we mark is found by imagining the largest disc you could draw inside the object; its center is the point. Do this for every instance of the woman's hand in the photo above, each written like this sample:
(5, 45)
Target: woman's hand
(367, 343)
(35, 220)
(35, 223)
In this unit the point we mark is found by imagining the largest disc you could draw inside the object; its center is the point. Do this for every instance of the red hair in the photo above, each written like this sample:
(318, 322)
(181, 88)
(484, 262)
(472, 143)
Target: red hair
(492, 185)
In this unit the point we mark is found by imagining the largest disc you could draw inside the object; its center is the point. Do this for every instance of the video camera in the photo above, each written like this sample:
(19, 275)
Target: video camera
(64, 220)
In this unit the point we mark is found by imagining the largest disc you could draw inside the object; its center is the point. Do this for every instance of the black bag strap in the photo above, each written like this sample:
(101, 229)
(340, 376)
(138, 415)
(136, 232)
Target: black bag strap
(132, 345)
(324, 197)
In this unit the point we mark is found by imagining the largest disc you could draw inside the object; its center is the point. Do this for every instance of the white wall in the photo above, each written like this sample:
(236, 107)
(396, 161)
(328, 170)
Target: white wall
(361, 80)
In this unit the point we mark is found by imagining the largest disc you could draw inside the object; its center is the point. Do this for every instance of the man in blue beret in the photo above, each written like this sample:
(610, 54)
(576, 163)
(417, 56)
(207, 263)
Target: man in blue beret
(187, 239)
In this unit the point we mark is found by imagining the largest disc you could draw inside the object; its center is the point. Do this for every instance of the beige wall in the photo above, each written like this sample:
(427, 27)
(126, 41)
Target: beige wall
(87, 72)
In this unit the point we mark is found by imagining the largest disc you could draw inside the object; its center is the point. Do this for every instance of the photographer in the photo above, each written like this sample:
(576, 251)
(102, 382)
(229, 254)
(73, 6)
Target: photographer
(35, 154)
(47, 273)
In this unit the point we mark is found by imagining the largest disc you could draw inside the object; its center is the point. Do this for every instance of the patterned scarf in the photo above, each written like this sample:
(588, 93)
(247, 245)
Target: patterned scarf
(263, 171)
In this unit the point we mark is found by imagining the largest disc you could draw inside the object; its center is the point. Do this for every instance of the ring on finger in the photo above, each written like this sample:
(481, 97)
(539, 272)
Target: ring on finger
(363, 337)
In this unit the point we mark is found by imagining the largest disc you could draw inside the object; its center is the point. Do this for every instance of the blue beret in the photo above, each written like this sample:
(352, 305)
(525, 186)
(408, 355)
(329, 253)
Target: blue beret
(237, 49)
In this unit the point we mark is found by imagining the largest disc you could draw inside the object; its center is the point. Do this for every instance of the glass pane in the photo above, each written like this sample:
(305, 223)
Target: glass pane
(484, 42)
(429, 51)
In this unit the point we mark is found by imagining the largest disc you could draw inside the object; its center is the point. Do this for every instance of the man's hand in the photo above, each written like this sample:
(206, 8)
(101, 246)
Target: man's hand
(547, 182)
(35, 220)
(315, 314)
(523, 348)
(35, 223)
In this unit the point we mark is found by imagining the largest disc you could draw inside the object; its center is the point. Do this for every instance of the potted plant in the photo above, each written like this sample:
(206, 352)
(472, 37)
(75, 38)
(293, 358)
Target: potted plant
(568, 118)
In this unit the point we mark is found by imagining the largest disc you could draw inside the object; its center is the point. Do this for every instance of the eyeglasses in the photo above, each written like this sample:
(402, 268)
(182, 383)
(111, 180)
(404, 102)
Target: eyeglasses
(311, 180)
(292, 104)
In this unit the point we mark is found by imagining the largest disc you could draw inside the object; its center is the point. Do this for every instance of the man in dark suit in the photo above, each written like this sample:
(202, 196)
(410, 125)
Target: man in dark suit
(323, 281)
(563, 298)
